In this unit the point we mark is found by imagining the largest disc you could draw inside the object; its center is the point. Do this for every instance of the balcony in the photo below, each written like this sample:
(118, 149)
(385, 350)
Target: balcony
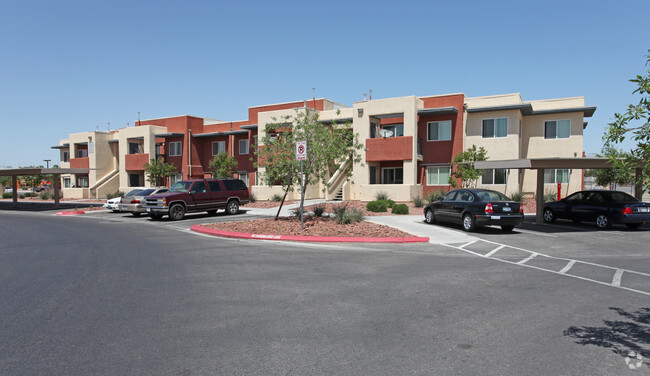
(79, 162)
(136, 162)
(389, 149)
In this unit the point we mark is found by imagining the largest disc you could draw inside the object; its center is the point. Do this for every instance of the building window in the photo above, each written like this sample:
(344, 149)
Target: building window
(83, 153)
(66, 182)
(439, 130)
(175, 149)
(136, 148)
(82, 182)
(396, 129)
(438, 175)
(174, 178)
(243, 147)
(255, 142)
(495, 128)
(560, 175)
(494, 176)
(243, 175)
(65, 157)
(218, 147)
(394, 175)
(373, 130)
(557, 129)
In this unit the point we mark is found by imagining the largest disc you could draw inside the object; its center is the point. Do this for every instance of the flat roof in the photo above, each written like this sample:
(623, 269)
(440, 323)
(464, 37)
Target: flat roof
(537, 163)
(42, 171)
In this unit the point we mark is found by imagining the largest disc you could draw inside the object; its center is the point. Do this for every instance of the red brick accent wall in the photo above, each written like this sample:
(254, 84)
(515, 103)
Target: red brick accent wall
(135, 162)
(79, 162)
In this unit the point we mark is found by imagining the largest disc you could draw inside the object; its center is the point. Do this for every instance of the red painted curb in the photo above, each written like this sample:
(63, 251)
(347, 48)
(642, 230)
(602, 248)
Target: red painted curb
(299, 238)
(70, 212)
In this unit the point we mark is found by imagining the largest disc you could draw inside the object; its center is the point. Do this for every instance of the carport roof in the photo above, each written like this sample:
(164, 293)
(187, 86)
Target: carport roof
(537, 163)
(42, 171)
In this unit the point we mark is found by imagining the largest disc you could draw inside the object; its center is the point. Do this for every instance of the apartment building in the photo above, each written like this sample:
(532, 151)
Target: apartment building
(409, 145)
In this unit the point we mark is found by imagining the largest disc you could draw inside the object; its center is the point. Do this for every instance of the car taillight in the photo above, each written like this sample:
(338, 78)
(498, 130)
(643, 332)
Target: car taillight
(488, 208)
(521, 208)
(135, 201)
(627, 210)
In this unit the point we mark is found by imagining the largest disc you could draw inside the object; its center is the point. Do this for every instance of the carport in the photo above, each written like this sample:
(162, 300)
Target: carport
(541, 164)
(56, 180)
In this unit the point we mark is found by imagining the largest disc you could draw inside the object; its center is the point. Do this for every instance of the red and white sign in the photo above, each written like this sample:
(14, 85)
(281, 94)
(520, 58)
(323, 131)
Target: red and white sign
(301, 150)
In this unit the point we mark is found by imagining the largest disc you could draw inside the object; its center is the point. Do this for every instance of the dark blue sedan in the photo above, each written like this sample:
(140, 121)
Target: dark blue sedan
(602, 207)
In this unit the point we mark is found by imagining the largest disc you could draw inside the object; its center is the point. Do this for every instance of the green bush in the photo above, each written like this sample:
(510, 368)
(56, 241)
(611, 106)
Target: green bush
(435, 195)
(276, 197)
(381, 196)
(518, 197)
(251, 197)
(21, 196)
(114, 194)
(379, 206)
(7, 195)
(418, 202)
(318, 210)
(44, 195)
(400, 209)
(550, 196)
(31, 194)
(344, 216)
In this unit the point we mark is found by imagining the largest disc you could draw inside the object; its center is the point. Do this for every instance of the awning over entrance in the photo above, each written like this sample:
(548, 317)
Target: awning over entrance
(541, 164)
(56, 181)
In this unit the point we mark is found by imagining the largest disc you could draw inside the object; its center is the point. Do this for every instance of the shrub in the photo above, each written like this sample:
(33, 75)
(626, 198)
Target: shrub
(7, 195)
(276, 197)
(31, 194)
(518, 197)
(418, 202)
(400, 209)
(318, 210)
(251, 197)
(435, 195)
(44, 195)
(344, 216)
(382, 196)
(379, 206)
(114, 194)
(339, 211)
(550, 196)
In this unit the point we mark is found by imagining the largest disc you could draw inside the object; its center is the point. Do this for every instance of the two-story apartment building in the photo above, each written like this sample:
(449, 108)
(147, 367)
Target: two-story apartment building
(409, 145)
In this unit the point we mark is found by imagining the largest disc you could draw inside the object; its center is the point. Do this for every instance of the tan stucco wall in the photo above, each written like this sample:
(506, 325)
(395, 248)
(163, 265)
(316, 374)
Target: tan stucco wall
(148, 132)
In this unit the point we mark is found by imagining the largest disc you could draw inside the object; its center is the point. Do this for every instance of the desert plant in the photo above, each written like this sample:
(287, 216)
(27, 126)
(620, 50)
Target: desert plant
(276, 197)
(345, 216)
(318, 210)
(114, 194)
(251, 197)
(518, 197)
(7, 195)
(378, 206)
(418, 201)
(400, 209)
(550, 196)
(381, 195)
(31, 194)
(44, 195)
(21, 196)
(435, 195)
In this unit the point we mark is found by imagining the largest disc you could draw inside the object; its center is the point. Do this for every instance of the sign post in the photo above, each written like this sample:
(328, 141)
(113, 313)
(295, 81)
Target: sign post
(301, 155)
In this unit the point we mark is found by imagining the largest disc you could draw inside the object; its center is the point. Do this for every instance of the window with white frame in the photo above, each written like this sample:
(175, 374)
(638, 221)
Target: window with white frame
(557, 129)
(175, 149)
(393, 175)
(218, 147)
(396, 129)
(494, 176)
(82, 182)
(243, 175)
(174, 178)
(554, 176)
(438, 175)
(495, 128)
(66, 182)
(243, 146)
(439, 130)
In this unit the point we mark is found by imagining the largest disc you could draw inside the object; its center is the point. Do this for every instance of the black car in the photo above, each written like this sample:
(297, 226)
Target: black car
(600, 206)
(474, 208)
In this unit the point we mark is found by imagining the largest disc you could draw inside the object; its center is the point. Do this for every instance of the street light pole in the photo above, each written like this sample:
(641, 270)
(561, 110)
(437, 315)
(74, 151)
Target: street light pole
(48, 162)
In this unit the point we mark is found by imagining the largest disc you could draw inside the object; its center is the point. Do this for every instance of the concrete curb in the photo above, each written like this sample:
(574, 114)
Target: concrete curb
(298, 238)
(70, 212)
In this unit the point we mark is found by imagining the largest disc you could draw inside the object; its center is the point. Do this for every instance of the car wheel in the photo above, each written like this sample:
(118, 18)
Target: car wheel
(507, 228)
(177, 212)
(155, 217)
(429, 217)
(232, 207)
(603, 222)
(468, 223)
(135, 214)
(549, 216)
(633, 225)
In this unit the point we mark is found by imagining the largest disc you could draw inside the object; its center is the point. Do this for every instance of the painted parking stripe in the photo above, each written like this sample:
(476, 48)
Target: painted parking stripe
(616, 280)
(495, 250)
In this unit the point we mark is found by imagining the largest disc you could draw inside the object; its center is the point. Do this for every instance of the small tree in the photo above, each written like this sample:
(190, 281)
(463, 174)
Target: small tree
(611, 177)
(635, 121)
(158, 170)
(223, 166)
(463, 167)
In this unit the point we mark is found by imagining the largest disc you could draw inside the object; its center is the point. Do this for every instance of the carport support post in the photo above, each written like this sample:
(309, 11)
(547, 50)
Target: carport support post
(56, 183)
(14, 190)
(638, 183)
(539, 197)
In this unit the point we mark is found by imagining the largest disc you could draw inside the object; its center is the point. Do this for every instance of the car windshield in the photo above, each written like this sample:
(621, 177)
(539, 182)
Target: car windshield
(133, 192)
(146, 192)
(181, 186)
(492, 196)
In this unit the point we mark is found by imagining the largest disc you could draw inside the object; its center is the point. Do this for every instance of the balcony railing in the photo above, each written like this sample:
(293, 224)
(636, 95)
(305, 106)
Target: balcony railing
(136, 162)
(389, 149)
(79, 162)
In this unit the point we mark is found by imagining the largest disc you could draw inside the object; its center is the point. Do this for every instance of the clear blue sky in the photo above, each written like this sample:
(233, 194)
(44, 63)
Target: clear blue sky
(72, 66)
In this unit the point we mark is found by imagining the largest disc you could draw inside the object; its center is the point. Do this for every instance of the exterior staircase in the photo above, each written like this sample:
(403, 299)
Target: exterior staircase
(339, 195)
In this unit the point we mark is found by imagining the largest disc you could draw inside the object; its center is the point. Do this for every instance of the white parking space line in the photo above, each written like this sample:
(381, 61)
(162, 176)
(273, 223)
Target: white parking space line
(616, 280)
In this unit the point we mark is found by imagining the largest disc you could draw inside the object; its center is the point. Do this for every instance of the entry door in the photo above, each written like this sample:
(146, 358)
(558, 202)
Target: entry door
(373, 175)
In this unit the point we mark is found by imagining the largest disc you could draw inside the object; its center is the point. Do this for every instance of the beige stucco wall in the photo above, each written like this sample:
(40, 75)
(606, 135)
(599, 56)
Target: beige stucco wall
(148, 132)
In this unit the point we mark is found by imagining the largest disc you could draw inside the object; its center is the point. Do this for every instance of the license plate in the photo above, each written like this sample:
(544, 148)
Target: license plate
(644, 210)
(148, 209)
(507, 209)
(495, 216)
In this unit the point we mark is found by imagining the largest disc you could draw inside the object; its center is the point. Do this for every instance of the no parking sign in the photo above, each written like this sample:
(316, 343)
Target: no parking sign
(301, 150)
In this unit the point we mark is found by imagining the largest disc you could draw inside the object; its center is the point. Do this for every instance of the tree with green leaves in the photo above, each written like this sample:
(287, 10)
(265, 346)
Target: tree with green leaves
(635, 123)
(158, 170)
(463, 167)
(328, 145)
(223, 166)
(611, 177)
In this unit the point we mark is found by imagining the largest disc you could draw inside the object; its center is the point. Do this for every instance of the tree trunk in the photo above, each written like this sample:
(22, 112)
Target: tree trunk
(284, 198)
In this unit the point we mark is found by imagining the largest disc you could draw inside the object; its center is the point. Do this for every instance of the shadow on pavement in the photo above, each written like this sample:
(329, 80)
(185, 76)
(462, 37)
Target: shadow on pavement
(35, 206)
